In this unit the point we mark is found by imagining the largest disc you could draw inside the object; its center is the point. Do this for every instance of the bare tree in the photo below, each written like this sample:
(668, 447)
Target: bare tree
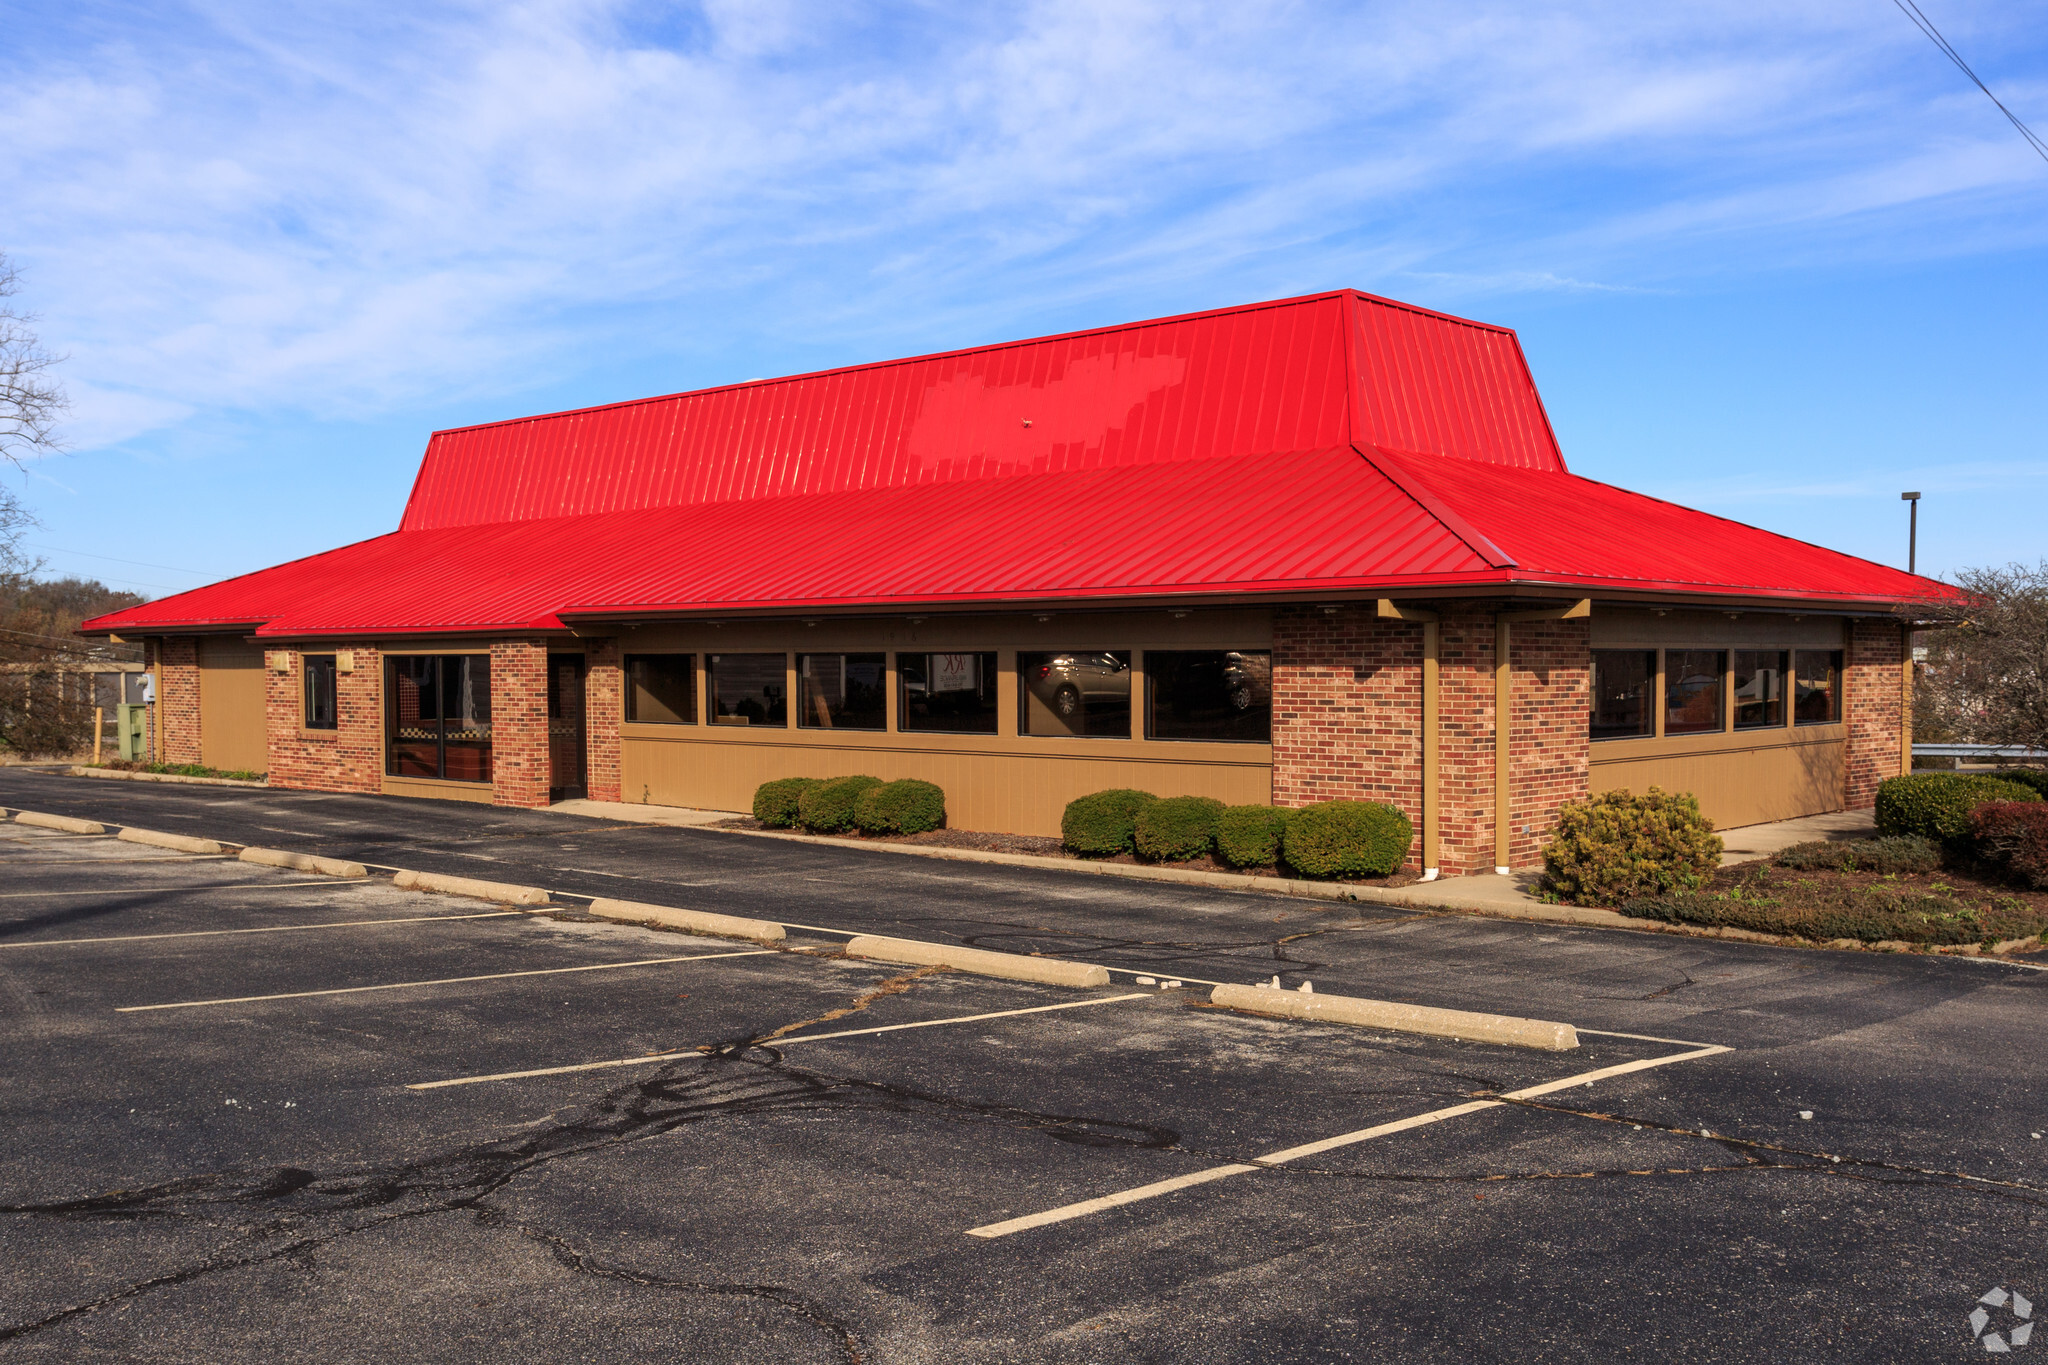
(30, 401)
(1986, 679)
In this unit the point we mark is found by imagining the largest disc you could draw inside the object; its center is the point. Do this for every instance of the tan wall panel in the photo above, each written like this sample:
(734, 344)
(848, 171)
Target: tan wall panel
(1740, 779)
(233, 722)
(1623, 628)
(1234, 629)
(990, 785)
(437, 789)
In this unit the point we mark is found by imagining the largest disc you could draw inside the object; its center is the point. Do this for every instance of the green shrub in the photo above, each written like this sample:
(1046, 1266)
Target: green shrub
(1176, 829)
(1617, 846)
(1103, 824)
(1347, 839)
(1868, 914)
(2037, 778)
(1249, 836)
(1890, 855)
(827, 807)
(1938, 805)
(775, 803)
(906, 806)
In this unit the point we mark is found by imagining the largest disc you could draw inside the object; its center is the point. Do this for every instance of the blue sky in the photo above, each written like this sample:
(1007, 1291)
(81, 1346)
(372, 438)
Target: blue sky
(1779, 262)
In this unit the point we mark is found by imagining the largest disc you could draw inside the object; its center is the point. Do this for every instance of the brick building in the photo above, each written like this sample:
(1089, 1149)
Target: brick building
(1323, 547)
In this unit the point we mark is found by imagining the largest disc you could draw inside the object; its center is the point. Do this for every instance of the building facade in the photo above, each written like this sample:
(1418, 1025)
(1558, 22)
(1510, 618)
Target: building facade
(1320, 548)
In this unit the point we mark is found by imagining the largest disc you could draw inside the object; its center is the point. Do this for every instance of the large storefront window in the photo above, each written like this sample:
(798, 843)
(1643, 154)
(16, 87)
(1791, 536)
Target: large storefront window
(1759, 688)
(661, 689)
(949, 693)
(842, 691)
(1623, 680)
(438, 716)
(1075, 692)
(1817, 699)
(748, 689)
(1693, 690)
(1216, 694)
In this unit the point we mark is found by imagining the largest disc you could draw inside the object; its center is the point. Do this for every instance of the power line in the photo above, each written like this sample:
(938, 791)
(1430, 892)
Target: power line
(1926, 26)
(140, 563)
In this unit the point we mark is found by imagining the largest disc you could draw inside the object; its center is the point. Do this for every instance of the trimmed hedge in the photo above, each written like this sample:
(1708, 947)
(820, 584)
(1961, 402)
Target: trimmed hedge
(1938, 805)
(1347, 839)
(2012, 837)
(1617, 846)
(775, 803)
(827, 807)
(1869, 914)
(2037, 778)
(905, 806)
(1103, 824)
(1176, 829)
(1891, 855)
(1249, 836)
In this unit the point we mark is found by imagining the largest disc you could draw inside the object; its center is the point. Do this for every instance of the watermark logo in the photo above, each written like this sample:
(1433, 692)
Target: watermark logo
(2002, 1320)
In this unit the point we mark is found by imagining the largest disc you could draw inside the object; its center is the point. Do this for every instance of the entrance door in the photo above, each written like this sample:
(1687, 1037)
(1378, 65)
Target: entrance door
(566, 780)
(231, 706)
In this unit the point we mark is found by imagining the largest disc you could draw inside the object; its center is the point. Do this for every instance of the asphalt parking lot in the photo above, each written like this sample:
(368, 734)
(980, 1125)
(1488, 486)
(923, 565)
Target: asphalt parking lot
(259, 1115)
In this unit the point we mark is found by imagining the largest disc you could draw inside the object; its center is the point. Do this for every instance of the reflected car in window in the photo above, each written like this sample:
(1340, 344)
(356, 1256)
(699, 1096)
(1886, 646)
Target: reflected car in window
(1073, 683)
(1229, 679)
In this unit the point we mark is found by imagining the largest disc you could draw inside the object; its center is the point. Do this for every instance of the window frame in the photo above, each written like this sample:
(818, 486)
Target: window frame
(711, 716)
(992, 668)
(628, 707)
(327, 665)
(1837, 685)
(1127, 657)
(803, 690)
(487, 745)
(1652, 694)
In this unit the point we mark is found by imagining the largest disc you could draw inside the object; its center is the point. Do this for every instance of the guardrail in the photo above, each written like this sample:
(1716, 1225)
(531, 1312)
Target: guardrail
(1977, 751)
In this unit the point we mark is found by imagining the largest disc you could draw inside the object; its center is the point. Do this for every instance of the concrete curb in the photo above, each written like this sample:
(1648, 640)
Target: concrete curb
(1048, 971)
(1385, 1014)
(184, 843)
(69, 824)
(693, 921)
(503, 893)
(121, 776)
(304, 862)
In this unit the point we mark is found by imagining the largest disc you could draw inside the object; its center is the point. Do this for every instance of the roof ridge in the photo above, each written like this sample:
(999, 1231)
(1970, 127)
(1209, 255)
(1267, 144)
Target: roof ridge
(1388, 462)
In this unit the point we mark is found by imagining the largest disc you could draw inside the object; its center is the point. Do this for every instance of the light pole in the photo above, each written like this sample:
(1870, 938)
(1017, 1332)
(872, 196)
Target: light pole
(1912, 533)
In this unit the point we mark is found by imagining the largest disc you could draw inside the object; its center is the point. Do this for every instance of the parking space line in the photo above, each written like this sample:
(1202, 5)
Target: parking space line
(173, 890)
(652, 1057)
(438, 981)
(1287, 1154)
(266, 929)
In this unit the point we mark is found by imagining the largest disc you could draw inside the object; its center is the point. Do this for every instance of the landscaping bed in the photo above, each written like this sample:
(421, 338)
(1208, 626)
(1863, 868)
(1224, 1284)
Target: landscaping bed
(1826, 894)
(1051, 846)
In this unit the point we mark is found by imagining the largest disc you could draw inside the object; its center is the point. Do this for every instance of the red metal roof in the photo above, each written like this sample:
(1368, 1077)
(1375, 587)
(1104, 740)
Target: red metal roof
(1332, 443)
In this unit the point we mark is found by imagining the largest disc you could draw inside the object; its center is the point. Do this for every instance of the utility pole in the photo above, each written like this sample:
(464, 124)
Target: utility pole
(1912, 533)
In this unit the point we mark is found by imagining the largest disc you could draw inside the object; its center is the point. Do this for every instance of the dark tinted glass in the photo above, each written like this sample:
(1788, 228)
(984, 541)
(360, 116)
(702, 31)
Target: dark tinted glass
(948, 692)
(438, 716)
(1817, 696)
(1623, 680)
(661, 689)
(1759, 688)
(1075, 692)
(747, 689)
(842, 691)
(320, 708)
(1224, 694)
(1693, 690)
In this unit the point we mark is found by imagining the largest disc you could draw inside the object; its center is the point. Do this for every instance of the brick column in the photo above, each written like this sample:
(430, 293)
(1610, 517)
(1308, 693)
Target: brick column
(176, 660)
(348, 758)
(519, 723)
(1874, 708)
(1465, 709)
(1550, 666)
(603, 709)
(1347, 709)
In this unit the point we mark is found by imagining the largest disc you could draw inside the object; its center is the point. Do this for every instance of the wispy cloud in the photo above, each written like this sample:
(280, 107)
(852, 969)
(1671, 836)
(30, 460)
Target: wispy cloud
(242, 207)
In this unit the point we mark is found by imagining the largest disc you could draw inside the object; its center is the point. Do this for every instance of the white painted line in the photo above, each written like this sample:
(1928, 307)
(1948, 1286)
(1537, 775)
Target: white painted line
(653, 1057)
(267, 929)
(960, 1019)
(1646, 1038)
(438, 981)
(1287, 1154)
(174, 890)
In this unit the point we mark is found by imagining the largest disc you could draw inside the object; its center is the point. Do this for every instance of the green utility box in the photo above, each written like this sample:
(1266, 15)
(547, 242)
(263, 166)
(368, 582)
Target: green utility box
(132, 728)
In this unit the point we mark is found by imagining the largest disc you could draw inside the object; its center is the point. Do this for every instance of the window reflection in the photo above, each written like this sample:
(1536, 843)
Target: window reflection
(438, 716)
(841, 691)
(1759, 688)
(1693, 690)
(1075, 692)
(1623, 680)
(661, 689)
(951, 693)
(748, 689)
(1817, 698)
(1214, 694)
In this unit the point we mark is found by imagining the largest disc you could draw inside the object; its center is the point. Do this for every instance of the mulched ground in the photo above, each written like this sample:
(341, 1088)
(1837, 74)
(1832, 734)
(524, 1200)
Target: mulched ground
(1944, 908)
(1049, 846)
